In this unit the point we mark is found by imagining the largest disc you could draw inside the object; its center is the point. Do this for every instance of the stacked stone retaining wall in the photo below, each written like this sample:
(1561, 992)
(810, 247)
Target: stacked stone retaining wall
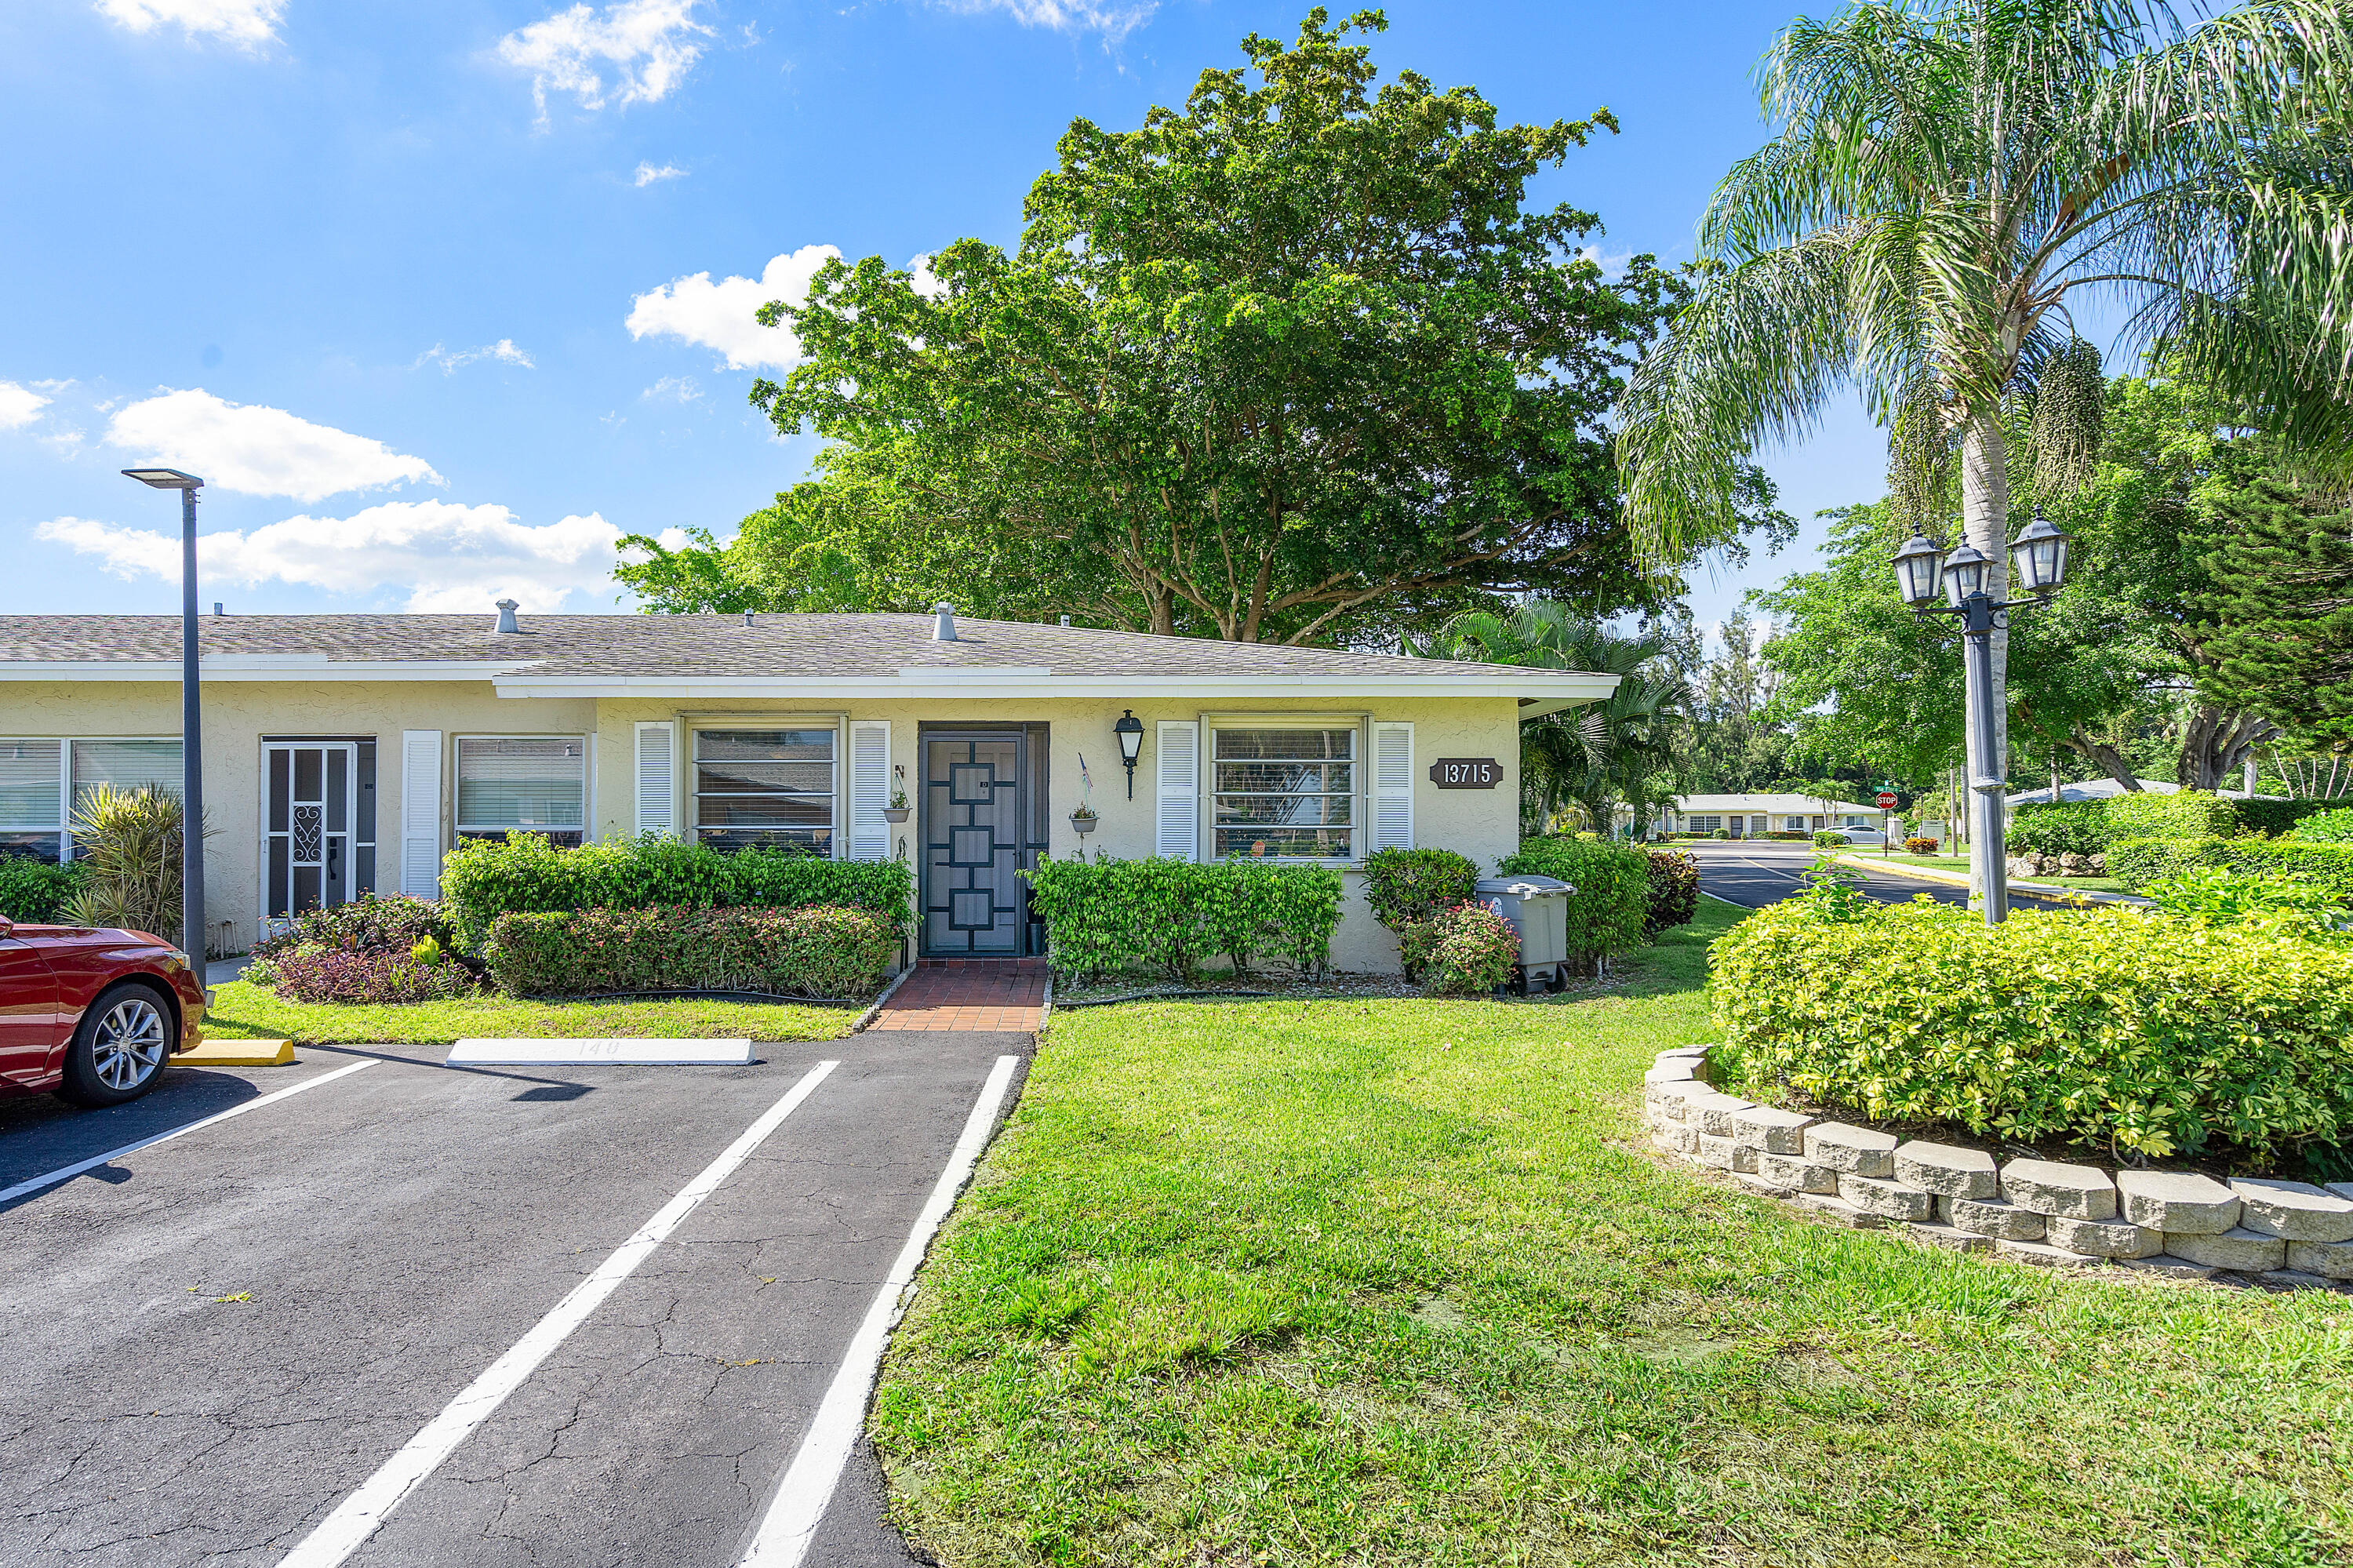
(2032, 1210)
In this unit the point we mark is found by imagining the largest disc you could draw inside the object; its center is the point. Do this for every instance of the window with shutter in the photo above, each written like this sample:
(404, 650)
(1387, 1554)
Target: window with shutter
(420, 812)
(1177, 765)
(870, 790)
(1392, 786)
(657, 777)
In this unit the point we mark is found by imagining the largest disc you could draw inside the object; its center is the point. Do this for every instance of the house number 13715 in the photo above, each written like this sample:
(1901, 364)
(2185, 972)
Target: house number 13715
(1466, 773)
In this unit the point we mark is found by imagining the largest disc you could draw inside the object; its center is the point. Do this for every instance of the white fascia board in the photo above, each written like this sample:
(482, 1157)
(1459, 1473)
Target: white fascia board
(1549, 689)
(260, 667)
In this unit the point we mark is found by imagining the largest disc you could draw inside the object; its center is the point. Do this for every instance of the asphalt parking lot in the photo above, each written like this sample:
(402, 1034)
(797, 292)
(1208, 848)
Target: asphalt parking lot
(417, 1315)
(1757, 872)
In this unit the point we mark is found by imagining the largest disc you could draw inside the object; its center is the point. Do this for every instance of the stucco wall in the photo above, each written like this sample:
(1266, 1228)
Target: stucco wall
(1480, 823)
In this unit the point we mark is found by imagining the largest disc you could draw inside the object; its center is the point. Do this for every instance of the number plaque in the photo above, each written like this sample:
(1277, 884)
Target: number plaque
(1466, 773)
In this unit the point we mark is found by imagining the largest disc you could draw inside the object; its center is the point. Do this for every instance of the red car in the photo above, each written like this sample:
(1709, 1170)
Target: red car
(92, 1014)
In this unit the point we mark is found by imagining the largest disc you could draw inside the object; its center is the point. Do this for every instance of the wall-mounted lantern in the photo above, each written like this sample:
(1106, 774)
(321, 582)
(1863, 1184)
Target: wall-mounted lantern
(1130, 731)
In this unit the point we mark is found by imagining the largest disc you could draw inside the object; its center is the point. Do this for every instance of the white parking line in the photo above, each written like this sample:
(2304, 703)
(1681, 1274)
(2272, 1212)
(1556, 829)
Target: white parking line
(94, 1162)
(360, 1514)
(801, 1497)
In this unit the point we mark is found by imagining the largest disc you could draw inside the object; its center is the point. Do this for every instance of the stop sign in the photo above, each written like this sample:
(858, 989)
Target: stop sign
(1886, 798)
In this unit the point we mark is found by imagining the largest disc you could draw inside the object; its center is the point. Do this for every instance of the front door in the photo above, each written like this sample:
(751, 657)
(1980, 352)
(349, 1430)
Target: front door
(974, 808)
(307, 835)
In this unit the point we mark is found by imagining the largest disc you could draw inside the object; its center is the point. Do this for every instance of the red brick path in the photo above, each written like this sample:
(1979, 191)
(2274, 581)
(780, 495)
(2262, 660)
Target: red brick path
(1004, 994)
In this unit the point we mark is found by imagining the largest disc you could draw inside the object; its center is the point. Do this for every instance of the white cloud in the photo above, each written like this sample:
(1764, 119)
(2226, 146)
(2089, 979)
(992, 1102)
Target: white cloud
(1114, 22)
(442, 556)
(20, 406)
(504, 351)
(719, 315)
(920, 278)
(648, 45)
(647, 174)
(259, 450)
(672, 389)
(248, 23)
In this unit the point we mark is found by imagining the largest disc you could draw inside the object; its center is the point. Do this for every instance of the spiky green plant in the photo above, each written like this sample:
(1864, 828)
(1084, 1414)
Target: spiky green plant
(129, 840)
(1949, 182)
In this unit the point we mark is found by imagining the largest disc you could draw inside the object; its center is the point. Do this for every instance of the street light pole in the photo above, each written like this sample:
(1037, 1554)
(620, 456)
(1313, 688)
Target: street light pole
(192, 730)
(1987, 831)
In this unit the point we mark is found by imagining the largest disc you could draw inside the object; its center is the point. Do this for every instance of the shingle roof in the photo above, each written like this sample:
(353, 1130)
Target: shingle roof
(772, 647)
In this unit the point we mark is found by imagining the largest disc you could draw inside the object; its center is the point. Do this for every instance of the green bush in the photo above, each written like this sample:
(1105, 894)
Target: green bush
(370, 976)
(1405, 887)
(1611, 900)
(2113, 1026)
(2089, 827)
(1467, 950)
(36, 891)
(2275, 816)
(813, 951)
(2138, 862)
(2073, 827)
(1670, 892)
(2323, 827)
(523, 874)
(1920, 846)
(1174, 914)
(2219, 895)
(1825, 837)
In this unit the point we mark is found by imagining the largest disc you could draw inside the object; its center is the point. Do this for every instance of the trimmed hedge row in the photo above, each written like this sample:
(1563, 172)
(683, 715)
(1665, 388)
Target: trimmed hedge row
(36, 891)
(816, 951)
(2144, 1031)
(2136, 863)
(2286, 816)
(485, 878)
(2331, 827)
(1608, 912)
(1172, 915)
(2089, 827)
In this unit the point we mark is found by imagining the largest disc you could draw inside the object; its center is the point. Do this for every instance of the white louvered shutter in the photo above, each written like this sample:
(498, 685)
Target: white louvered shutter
(657, 777)
(870, 790)
(1392, 786)
(420, 812)
(1177, 766)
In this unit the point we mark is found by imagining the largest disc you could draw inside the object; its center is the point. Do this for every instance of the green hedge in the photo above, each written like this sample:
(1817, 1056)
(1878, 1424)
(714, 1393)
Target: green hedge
(821, 951)
(2330, 827)
(2073, 827)
(2136, 863)
(484, 878)
(2089, 827)
(2112, 1026)
(1172, 915)
(2289, 816)
(35, 891)
(1611, 903)
(1403, 887)
(1670, 892)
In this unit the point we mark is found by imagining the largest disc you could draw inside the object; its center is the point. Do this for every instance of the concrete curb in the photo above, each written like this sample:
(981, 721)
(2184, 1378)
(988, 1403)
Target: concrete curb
(1960, 879)
(871, 1014)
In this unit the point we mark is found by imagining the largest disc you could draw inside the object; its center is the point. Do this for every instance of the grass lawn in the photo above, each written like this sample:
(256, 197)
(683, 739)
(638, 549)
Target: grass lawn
(1401, 1283)
(243, 1011)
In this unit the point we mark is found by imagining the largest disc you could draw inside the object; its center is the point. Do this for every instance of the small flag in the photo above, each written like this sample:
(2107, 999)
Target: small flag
(1088, 782)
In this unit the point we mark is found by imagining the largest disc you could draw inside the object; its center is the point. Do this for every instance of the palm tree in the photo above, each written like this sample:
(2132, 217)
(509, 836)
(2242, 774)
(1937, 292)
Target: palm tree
(1598, 753)
(1951, 180)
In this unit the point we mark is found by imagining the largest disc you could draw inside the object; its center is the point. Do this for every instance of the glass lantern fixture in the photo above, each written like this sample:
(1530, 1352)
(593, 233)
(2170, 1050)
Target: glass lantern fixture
(1920, 570)
(2038, 557)
(1129, 732)
(1964, 574)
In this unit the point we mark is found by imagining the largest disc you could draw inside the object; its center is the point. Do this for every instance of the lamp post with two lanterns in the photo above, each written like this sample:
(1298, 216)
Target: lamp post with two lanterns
(2039, 557)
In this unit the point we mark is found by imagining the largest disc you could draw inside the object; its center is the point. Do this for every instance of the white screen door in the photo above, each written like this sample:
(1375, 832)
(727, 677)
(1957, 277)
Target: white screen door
(306, 837)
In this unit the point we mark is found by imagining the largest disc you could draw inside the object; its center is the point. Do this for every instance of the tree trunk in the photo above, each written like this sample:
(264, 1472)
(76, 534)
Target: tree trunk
(1985, 521)
(2216, 745)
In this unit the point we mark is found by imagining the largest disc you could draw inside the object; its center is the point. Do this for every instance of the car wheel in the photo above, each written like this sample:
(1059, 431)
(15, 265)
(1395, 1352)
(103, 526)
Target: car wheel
(120, 1047)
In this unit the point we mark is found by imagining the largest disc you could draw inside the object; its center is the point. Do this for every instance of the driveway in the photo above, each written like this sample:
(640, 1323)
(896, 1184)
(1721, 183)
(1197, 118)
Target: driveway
(1753, 872)
(253, 1338)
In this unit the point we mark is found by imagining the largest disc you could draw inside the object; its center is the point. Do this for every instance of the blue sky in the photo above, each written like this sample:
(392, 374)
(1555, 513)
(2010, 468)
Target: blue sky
(435, 293)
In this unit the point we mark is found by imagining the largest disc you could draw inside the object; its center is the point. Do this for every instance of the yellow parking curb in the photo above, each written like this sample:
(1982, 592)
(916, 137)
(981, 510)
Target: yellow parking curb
(238, 1053)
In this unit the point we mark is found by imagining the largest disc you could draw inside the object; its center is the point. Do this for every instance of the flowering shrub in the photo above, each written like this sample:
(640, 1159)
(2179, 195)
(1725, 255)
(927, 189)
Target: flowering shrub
(314, 973)
(1920, 846)
(1467, 950)
(825, 951)
(2141, 1031)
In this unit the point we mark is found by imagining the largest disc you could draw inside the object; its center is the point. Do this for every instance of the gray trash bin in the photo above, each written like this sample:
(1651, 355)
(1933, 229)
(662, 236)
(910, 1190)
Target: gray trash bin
(1537, 907)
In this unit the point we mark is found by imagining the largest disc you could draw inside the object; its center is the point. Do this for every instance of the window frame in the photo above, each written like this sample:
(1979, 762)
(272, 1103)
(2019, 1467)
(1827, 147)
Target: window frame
(460, 829)
(837, 725)
(65, 744)
(1359, 793)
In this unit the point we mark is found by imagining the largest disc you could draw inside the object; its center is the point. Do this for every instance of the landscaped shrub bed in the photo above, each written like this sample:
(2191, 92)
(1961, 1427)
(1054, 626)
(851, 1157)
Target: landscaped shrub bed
(2295, 816)
(380, 948)
(1403, 887)
(2333, 827)
(2137, 862)
(2115, 1027)
(1670, 892)
(2073, 827)
(36, 891)
(485, 878)
(817, 950)
(1109, 914)
(1611, 905)
(1468, 950)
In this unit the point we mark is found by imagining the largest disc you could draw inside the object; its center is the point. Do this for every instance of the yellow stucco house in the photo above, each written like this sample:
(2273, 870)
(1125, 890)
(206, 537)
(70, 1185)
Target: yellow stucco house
(347, 753)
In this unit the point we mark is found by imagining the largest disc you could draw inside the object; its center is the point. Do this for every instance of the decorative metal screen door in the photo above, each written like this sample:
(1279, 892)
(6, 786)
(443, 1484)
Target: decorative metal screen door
(973, 842)
(306, 833)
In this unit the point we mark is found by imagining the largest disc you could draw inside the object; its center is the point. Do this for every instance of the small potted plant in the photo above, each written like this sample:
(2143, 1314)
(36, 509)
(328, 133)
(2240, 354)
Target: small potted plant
(897, 809)
(1082, 821)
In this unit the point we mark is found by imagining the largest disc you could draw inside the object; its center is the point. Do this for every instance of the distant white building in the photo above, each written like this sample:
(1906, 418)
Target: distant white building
(2105, 790)
(1746, 816)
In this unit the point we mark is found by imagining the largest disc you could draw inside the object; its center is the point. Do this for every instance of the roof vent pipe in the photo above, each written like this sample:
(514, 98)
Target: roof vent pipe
(507, 608)
(748, 618)
(944, 623)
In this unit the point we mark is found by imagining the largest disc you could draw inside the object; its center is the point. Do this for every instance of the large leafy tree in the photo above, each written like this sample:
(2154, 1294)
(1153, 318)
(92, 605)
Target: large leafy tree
(1295, 362)
(2276, 624)
(1949, 182)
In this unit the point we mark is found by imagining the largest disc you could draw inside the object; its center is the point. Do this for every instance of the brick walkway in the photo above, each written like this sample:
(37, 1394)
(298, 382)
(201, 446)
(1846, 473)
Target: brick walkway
(1004, 994)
